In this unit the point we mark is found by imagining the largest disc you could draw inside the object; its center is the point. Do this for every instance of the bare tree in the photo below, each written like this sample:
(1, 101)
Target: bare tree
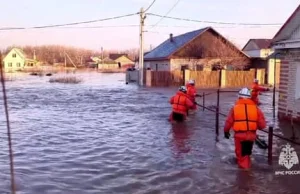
(214, 50)
(55, 53)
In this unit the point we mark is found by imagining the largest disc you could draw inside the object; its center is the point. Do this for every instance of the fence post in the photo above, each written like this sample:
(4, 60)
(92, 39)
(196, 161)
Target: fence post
(203, 100)
(270, 147)
(217, 112)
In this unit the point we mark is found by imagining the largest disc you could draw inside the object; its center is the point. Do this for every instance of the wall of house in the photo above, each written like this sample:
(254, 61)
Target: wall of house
(270, 69)
(296, 34)
(266, 52)
(158, 65)
(193, 64)
(108, 66)
(261, 53)
(13, 61)
(289, 87)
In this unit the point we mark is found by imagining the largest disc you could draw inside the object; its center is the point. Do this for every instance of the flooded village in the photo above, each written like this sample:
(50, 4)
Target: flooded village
(81, 121)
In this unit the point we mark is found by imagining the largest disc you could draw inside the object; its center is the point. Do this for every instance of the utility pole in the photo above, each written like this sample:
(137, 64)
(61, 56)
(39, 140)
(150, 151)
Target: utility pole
(141, 58)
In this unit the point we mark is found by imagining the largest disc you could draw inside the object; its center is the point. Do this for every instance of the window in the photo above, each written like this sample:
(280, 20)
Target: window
(9, 64)
(18, 64)
(14, 55)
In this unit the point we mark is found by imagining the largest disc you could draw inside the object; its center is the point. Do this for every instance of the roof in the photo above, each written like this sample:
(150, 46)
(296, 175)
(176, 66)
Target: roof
(289, 26)
(165, 49)
(260, 43)
(18, 52)
(115, 56)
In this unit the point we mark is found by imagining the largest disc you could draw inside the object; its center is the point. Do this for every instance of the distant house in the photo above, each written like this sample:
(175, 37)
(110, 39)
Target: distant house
(122, 59)
(261, 57)
(286, 43)
(115, 62)
(16, 60)
(108, 64)
(203, 49)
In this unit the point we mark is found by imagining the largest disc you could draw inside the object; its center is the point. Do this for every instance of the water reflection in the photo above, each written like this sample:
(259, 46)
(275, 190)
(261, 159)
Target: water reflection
(180, 139)
(244, 180)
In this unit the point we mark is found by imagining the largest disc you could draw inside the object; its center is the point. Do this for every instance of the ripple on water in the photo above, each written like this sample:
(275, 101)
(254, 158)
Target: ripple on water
(103, 136)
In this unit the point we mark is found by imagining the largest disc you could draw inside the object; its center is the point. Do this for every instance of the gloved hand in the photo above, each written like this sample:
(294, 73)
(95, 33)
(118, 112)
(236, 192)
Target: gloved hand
(267, 89)
(198, 95)
(227, 135)
(195, 103)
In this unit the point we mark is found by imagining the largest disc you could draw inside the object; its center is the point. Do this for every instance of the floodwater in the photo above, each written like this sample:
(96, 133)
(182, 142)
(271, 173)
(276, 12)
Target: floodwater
(102, 136)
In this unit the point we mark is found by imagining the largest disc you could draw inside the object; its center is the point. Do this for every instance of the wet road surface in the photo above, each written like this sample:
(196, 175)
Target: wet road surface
(102, 136)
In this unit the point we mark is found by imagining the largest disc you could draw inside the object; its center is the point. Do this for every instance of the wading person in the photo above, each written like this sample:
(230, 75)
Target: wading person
(192, 93)
(244, 118)
(256, 89)
(180, 105)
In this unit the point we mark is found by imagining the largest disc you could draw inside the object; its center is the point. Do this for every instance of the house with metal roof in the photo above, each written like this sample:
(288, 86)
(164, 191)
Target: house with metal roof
(202, 49)
(261, 57)
(286, 43)
(17, 60)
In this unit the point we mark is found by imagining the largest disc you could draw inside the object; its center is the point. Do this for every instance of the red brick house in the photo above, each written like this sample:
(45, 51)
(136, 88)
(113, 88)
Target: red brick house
(286, 43)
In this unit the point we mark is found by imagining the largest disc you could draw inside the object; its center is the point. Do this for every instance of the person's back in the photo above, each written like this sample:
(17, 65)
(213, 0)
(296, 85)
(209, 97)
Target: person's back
(192, 93)
(244, 118)
(180, 105)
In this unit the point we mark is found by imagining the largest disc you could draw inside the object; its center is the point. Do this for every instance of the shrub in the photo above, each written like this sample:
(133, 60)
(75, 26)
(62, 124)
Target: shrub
(65, 80)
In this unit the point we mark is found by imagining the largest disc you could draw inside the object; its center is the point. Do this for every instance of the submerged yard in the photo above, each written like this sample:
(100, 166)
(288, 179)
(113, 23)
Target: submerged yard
(102, 136)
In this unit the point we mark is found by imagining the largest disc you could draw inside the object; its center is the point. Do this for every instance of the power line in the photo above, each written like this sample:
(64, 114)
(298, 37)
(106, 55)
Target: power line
(69, 24)
(150, 6)
(166, 13)
(214, 22)
(134, 25)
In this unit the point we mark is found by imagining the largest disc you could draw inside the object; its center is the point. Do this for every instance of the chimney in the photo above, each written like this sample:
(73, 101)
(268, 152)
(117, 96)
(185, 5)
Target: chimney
(171, 37)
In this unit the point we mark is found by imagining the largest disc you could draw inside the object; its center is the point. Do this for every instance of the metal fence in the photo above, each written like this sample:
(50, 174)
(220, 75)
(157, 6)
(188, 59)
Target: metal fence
(217, 112)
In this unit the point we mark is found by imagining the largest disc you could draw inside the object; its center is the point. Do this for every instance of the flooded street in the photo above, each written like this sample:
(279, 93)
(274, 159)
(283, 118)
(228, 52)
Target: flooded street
(102, 136)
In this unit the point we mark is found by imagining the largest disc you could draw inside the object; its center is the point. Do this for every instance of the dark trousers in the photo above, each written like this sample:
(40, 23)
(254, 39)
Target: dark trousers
(178, 117)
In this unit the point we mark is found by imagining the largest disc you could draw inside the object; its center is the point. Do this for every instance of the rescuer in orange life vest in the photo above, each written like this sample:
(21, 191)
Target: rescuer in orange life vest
(192, 93)
(244, 118)
(256, 89)
(180, 105)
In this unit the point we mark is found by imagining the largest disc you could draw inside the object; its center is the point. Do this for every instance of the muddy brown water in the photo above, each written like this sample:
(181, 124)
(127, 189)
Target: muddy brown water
(102, 136)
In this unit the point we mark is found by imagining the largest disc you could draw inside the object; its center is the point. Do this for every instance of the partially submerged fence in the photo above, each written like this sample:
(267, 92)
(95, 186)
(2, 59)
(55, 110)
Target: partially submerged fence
(204, 79)
(270, 130)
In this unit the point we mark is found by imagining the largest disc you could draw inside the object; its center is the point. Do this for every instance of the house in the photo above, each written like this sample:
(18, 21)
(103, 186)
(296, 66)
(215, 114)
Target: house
(203, 49)
(286, 43)
(122, 60)
(17, 60)
(108, 64)
(261, 57)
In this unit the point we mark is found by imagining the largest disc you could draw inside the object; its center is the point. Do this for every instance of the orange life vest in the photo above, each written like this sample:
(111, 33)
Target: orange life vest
(180, 105)
(245, 116)
(191, 92)
(255, 90)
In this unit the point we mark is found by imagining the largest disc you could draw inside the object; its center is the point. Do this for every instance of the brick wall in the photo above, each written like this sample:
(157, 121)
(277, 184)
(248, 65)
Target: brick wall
(288, 107)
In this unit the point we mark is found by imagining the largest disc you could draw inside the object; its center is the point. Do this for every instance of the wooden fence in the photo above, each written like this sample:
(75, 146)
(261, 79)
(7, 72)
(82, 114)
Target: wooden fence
(204, 79)
(164, 78)
(238, 78)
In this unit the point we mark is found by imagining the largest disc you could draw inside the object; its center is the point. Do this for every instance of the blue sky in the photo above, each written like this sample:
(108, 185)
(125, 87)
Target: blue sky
(46, 12)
